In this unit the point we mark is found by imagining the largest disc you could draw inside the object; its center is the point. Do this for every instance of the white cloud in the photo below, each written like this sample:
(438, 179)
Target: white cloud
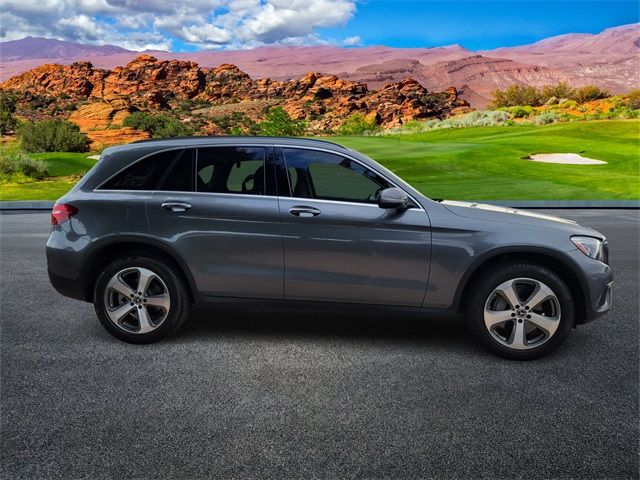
(146, 24)
(352, 41)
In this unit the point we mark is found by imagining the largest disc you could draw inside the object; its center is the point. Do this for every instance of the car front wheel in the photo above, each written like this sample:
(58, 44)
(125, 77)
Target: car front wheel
(520, 311)
(140, 299)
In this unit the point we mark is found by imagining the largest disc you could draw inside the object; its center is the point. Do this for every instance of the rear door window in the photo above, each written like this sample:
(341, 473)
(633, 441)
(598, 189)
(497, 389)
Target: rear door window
(231, 170)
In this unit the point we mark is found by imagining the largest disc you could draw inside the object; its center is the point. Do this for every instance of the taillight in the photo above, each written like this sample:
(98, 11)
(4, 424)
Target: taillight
(61, 213)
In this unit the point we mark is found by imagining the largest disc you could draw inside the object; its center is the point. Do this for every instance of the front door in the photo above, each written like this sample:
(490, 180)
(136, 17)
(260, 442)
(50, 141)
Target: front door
(338, 244)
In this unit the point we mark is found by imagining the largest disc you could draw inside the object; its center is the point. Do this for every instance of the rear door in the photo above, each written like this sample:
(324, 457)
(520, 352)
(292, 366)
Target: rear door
(338, 244)
(217, 208)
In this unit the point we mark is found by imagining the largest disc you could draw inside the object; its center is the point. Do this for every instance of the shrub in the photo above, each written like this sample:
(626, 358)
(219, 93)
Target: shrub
(516, 95)
(14, 162)
(236, 123)
(158, 126)
(632, 100)
(546, 117)
(414, 126)
(521, 111)
(566, 103)
(172, 127)
(589, 93)
(486, 118)
(279, 123)
(358, 124)
(142, 121)
(52, 136)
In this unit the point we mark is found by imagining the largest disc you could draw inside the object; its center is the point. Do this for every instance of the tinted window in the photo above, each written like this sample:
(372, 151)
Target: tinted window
(165, 171)
(231, 170)
(325, 176)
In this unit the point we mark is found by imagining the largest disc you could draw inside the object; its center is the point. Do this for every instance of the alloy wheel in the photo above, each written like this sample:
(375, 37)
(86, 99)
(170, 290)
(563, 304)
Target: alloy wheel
(522, 313)
(137, 300)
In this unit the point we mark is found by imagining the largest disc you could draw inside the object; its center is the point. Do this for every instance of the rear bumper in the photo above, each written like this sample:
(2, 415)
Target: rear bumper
(69, 287)
(64, 274)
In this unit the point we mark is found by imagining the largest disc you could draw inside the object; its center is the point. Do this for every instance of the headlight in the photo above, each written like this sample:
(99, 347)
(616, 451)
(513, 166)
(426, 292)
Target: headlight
(590, 246)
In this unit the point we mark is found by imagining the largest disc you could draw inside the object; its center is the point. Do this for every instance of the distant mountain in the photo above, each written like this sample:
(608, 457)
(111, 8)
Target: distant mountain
(610, 59)
(474, 76)
(50, 48)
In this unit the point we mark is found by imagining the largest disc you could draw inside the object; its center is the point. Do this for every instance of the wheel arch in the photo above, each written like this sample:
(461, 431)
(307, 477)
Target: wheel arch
(554, 260)
(108, 250)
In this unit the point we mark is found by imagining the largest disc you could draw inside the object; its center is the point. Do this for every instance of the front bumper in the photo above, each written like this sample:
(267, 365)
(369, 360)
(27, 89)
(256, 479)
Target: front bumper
(597, 286)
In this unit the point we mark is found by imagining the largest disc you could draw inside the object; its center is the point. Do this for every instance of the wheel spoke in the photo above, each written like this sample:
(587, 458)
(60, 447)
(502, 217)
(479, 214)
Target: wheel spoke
(548, 324)
(508, 291)
(541, 294)
(145, 321)
(492, 317)
(144, 280)
(119, 313)
(159, 301)
(119, 286)
(518, 339)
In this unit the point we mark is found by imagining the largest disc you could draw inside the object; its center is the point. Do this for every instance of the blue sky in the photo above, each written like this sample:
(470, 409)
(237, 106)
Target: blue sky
(479, 25)
(186, 25)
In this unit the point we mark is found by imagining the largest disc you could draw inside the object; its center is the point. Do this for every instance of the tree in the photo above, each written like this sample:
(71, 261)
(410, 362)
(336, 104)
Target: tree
(559, 91)
(8, 122)
(516, 95)
(278, 123)
(589, 93)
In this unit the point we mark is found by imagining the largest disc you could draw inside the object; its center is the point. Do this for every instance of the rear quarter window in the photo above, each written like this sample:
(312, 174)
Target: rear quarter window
(171, 170)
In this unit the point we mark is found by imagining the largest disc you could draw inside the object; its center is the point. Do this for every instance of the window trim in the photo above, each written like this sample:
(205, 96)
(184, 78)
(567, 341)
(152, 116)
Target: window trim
(417, 204)
(275, 155)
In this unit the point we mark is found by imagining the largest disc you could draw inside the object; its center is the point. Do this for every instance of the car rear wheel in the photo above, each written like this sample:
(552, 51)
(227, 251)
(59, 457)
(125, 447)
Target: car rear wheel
(141, 299)
(520, 311)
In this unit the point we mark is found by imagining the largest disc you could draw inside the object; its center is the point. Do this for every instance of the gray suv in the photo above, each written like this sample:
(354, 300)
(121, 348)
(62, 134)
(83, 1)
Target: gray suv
(157, 226)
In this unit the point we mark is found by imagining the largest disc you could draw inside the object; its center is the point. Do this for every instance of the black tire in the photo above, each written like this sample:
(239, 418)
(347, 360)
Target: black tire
(483, 287)
(180, 299)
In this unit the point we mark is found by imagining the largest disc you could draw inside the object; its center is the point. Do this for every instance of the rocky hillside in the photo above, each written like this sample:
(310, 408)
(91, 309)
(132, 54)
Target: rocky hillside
(99, 98)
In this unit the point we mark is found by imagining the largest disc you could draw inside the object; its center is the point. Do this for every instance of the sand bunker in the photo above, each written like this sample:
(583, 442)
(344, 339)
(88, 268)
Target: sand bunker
(566, 158)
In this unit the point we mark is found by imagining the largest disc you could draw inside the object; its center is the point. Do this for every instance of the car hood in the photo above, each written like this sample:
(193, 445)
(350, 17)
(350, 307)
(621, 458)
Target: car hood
(511, 215)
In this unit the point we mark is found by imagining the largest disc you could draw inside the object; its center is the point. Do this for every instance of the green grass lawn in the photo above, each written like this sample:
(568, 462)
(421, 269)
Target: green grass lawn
(485, 163)
(480, 163)
(61, 164)
(43, 190)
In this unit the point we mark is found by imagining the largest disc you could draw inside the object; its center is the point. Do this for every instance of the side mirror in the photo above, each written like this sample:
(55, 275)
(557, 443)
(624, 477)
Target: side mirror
(393, 198)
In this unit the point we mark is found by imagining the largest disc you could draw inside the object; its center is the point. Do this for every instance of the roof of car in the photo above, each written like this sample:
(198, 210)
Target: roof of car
(207, 140)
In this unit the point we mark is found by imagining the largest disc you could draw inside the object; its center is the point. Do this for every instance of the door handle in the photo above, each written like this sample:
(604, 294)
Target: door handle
(176, 206)
(302, 211)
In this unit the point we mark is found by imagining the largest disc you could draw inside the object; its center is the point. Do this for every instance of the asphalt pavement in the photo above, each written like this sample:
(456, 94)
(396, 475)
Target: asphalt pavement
(251, 395)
